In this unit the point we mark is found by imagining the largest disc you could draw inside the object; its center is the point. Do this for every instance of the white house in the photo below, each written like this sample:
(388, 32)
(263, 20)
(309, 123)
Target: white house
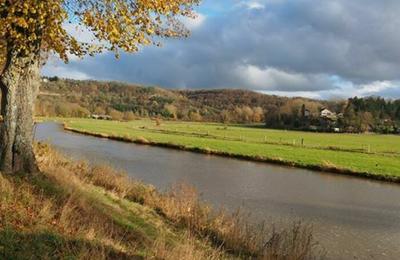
(327, 113)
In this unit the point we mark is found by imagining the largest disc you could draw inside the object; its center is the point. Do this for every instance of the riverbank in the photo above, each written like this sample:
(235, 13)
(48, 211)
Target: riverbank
(340, 155)
(76, 211)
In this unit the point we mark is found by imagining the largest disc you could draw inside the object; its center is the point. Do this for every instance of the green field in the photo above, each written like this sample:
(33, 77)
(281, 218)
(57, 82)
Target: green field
(377, 155)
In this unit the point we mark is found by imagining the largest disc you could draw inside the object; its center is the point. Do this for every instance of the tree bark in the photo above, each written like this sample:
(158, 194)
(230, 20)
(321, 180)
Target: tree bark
(19, 84)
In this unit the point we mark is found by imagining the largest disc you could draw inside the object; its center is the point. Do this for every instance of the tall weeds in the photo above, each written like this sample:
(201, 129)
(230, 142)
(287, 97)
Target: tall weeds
(180, 205)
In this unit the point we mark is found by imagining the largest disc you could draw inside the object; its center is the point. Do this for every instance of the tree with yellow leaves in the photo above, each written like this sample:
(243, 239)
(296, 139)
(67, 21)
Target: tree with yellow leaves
(30, 30)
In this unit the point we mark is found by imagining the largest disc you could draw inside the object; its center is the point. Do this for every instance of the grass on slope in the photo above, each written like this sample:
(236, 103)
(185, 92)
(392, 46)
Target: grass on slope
(368, 153)
(74, 211)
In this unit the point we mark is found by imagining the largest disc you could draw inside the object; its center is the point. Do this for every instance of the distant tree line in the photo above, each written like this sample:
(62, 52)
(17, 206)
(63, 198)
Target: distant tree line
(355, 115)
(372, 114)
(72, 98)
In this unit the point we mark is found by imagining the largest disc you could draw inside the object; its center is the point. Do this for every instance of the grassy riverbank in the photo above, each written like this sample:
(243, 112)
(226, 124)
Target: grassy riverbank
(367, 155)
(71, 210)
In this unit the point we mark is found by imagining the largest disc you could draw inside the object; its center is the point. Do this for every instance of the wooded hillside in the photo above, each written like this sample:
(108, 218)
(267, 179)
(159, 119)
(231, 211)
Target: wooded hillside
(83, 98)
(72, 98)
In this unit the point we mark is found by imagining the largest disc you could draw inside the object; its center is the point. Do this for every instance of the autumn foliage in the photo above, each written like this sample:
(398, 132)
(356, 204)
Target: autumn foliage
(114, 24)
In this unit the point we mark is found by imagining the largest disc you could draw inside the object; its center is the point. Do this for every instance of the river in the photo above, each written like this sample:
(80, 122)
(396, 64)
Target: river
(353, 218)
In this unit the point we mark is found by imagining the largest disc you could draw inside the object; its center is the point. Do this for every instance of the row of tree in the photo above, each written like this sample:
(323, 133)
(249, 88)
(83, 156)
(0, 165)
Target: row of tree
(355, 115)
(372, 114)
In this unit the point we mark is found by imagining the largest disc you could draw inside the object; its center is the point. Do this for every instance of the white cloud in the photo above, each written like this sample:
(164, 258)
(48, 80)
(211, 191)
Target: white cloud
(255, 5)
(275, 79)
(306, 94)
(376, 87)
(194, 23)
(269, 78)
(81, 33)
(62, 71)
(345, 89)
(252, 5)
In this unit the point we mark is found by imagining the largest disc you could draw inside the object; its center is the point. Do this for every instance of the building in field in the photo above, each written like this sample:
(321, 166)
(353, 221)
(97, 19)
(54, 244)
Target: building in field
(326, 113)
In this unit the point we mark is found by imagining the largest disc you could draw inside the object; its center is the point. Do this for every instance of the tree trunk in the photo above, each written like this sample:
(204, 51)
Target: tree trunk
(19, 85)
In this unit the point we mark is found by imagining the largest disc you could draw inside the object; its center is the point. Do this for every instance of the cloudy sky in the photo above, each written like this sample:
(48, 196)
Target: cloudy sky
(313, 48)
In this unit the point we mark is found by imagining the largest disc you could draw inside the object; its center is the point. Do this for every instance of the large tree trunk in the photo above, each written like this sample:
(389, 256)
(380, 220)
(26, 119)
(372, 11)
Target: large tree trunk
(19, 84)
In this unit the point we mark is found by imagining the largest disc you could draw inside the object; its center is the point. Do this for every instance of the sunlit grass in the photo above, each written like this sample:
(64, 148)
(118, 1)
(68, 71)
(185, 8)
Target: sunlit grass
(364, 153)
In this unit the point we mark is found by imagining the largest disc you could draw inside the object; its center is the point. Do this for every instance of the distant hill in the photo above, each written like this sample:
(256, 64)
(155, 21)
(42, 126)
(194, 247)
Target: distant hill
(121, 101)
(59, 97)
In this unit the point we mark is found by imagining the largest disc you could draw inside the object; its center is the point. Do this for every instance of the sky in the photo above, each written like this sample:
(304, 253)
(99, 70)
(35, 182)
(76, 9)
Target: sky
(325, 49)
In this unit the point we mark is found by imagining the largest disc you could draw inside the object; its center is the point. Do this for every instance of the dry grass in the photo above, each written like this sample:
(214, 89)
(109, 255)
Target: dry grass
(33, 224)
(20, 207)
(140, 139)
(233, 233)
(73, 210)
(186, 251)
(330, 165)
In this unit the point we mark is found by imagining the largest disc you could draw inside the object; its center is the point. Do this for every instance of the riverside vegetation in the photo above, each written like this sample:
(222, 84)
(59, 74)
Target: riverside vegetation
(368, 155)
(77, 211)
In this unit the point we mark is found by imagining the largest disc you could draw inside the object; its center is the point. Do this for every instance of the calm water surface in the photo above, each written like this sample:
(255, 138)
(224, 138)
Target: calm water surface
(353, 218)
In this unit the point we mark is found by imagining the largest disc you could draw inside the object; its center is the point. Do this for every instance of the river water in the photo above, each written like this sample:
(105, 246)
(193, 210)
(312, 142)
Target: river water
(353, 218)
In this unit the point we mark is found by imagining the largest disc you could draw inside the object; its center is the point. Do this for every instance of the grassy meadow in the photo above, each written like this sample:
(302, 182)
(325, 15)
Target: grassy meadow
(371, 155)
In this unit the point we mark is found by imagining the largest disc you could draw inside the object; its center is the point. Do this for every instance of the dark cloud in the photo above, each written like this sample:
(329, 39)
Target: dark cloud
(269, 45)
